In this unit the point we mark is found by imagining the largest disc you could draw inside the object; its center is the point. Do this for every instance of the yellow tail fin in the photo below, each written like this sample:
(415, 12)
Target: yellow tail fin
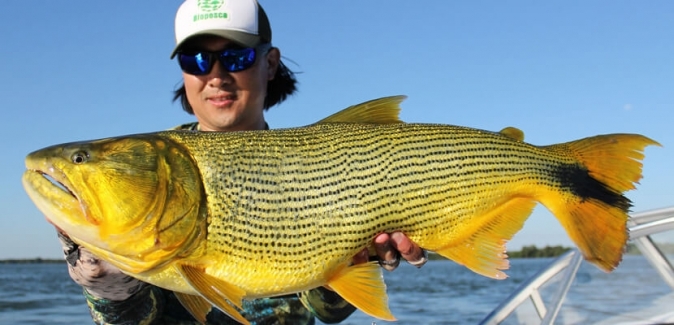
(594, 210)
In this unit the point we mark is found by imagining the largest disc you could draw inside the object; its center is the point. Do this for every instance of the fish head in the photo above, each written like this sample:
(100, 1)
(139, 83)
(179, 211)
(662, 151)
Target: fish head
(134, 201)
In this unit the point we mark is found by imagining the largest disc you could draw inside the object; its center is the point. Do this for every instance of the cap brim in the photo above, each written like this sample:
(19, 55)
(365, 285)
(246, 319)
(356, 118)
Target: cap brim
(241, 38)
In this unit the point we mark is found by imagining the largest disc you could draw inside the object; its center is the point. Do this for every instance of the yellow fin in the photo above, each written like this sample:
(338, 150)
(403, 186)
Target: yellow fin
(363, 286)
(484, 251)
(196, 305)
(613, 159)
(599, 230)
(217, 292)
(593, 209)
(513, 133)
(384, 110)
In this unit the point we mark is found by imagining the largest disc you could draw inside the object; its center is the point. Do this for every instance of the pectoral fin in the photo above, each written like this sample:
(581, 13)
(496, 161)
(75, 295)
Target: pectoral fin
(219, 293)
(196, 305)
(363, 286)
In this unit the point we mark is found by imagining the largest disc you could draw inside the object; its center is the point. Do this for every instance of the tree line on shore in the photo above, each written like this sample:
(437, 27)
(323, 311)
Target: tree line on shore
(531, 251)
(37, 260)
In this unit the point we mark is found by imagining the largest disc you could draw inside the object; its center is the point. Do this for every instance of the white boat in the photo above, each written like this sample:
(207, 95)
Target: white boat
(559, 293)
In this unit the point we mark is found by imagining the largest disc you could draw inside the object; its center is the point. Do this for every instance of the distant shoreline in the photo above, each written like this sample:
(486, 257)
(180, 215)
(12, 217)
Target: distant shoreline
(33, 261)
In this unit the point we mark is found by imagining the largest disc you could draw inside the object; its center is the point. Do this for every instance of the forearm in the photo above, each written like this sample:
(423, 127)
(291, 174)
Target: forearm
(115, 298)
(144, 307)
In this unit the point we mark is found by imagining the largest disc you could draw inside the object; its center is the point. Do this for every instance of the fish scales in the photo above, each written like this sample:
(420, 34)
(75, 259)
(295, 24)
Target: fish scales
(222, 217)
(314, 193)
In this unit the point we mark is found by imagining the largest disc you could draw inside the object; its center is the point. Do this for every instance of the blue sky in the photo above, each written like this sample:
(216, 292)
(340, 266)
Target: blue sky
(558, 70)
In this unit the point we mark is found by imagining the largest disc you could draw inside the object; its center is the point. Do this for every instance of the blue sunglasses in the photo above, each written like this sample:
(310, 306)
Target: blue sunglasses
(200, 63)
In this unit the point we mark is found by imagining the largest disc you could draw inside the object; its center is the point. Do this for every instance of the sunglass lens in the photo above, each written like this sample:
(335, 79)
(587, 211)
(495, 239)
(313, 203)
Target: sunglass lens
(196, 64)
(237, 60)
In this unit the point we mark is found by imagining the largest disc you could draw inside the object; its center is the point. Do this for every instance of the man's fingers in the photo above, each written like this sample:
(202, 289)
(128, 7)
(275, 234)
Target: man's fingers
(389, 258)
(409, 250)
(92, 267)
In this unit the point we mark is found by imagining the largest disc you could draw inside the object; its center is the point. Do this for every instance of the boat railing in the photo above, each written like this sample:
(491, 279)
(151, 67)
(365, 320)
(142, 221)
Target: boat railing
(645, 224)
(641, 225)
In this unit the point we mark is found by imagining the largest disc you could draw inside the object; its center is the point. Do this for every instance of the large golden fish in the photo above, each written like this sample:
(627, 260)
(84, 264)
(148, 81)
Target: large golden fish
(221, 217)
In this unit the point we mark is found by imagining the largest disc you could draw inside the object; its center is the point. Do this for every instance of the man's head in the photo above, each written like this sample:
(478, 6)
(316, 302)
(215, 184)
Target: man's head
(231, 70)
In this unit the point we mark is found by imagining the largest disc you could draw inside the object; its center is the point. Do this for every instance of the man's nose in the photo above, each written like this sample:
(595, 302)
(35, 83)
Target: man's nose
(219, 75)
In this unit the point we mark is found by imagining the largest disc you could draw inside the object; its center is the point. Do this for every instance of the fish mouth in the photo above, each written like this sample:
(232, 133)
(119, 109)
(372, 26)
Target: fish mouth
(55, 183)
(53, 196)
(54, 180)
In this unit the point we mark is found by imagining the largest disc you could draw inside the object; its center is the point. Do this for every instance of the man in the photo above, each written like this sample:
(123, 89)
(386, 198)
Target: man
(231, 74)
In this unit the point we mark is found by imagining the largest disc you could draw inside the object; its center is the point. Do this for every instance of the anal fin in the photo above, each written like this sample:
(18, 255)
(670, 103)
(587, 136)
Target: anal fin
(221, 294)
(196, 305)
(362, 285)
(484, 251)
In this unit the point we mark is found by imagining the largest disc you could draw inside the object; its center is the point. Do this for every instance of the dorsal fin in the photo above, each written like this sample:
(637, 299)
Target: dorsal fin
(513, 133)
(378, 111)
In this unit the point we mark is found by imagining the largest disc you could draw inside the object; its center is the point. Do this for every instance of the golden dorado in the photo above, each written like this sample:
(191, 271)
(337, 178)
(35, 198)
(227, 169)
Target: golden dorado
(221, 217)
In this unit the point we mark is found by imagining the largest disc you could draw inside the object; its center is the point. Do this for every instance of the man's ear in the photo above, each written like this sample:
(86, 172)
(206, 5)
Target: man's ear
(273, 59)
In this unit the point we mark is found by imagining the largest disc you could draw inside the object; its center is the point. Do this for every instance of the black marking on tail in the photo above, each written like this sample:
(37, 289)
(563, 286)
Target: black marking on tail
(576, 179)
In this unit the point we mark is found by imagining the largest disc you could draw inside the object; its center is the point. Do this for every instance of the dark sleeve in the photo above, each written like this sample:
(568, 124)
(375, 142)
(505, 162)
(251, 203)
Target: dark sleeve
(326, 305)
(151, 305)
(144, 307)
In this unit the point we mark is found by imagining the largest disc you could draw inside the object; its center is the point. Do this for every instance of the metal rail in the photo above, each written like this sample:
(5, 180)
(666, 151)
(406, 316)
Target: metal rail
(567, 264)
(649, 223)
(641, 225)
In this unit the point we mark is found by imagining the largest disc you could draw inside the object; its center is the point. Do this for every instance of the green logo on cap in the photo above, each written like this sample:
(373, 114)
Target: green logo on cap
(207, 8)
(210, 5)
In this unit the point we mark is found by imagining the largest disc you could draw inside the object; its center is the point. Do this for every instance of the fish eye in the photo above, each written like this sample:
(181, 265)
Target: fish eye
(80, 157)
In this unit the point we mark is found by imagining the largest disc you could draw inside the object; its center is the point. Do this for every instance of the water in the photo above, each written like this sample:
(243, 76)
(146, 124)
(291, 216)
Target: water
(439, 293)
(40, 294)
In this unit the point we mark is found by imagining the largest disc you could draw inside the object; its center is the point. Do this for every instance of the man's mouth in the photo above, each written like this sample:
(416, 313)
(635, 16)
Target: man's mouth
(222, 100)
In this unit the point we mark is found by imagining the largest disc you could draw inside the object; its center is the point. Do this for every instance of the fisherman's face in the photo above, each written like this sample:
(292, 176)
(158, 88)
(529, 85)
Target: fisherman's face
(230, 101)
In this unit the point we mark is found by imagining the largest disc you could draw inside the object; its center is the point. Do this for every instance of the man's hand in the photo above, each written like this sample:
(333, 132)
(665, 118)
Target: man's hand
(390, 248)
(100, 278)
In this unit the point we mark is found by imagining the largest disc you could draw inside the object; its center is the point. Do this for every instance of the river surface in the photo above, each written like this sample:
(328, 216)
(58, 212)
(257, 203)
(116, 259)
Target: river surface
(442, 292)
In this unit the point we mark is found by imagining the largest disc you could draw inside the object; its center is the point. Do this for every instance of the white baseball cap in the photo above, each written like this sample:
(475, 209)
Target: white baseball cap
(241, 21)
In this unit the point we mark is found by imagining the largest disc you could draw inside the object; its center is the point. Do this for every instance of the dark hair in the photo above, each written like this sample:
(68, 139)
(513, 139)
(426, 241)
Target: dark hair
(278, 89)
